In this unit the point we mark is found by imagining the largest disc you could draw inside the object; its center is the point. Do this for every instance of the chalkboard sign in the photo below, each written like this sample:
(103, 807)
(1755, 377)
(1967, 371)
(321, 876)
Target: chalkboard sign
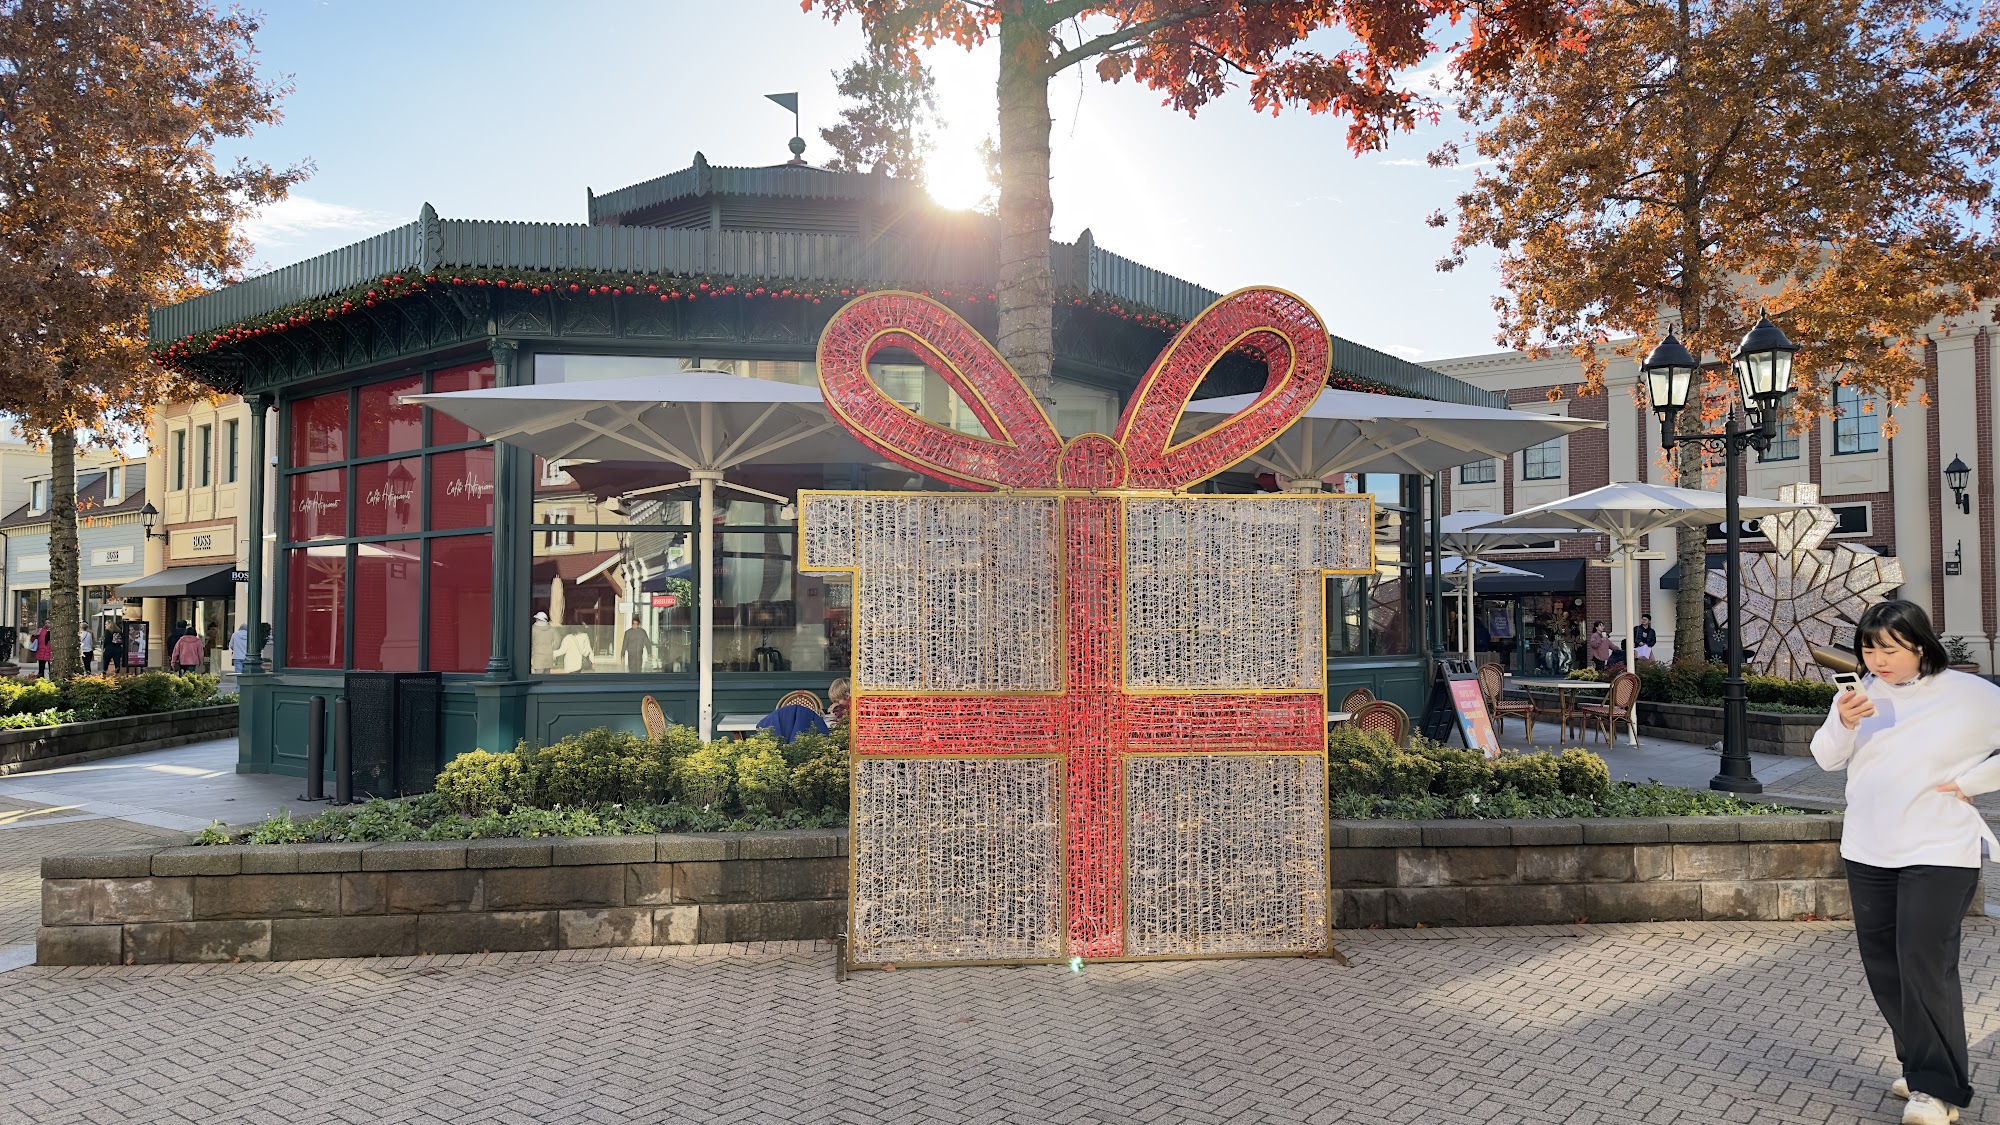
(135, 644)
(1457, 703)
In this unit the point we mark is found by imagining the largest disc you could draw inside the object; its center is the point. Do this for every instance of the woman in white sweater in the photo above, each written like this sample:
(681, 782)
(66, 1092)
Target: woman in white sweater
(1917, 741)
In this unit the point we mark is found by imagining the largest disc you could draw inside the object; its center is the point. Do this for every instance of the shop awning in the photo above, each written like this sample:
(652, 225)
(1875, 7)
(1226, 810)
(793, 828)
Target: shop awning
(1670, 578)
(184, 582)
(1544, 576)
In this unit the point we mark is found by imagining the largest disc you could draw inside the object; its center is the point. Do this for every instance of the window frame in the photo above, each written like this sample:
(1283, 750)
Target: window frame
(177, 458)
(1873, 432)
(1527, 473)
(205, 446)
(1788, 436)
(232, 470)
(1491, 475)
(39, 495)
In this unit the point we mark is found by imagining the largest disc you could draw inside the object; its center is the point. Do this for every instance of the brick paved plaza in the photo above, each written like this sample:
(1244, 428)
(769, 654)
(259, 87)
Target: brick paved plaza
(1662, 1023)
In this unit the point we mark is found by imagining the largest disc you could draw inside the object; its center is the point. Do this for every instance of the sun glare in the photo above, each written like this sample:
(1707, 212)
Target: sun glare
(954, 172)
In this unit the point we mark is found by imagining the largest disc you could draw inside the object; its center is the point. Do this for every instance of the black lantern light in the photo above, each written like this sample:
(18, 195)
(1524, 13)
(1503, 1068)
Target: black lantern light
(1956, 474)
(1669, 372)
(149, 517)
(1764, 372)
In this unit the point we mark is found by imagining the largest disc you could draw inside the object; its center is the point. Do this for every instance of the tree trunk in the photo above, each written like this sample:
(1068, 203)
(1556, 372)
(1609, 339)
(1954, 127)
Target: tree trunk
(1027, 287)
(1690, 608)
(65, 573)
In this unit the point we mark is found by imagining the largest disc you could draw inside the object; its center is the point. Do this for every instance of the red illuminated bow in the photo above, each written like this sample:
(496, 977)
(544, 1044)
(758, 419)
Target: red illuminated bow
(1024, 450)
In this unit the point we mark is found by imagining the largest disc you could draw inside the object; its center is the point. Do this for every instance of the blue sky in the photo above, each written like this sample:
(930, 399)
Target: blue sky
(509, 110)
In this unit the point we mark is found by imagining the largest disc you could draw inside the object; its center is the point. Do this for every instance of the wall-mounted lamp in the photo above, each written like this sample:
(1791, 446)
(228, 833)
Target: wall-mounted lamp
(1955, 565)
(1955, 475)
(149, 517)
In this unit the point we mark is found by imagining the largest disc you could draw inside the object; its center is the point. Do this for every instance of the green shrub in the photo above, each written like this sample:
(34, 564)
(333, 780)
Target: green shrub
(480, 782)
(763, 777)
(149, 693)
(582, 768)
(193, 689)
(1581, 773)
(820, 783)
(34, 697)
(52, 717)
(706, 778)
(95, 696)
(1532, 775)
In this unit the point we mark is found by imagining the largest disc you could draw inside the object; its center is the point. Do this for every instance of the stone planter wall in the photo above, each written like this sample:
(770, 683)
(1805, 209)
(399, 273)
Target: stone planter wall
(145, 905)
(39, 748)
(1770, 733)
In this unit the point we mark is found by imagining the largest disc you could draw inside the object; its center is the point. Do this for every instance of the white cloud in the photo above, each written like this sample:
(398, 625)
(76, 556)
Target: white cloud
(301, 218)
(1405, 163)
(1404, 350)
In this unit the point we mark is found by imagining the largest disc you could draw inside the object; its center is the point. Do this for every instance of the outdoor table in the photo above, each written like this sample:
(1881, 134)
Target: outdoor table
(1333, 717)
(1563, 688)
(738, 725)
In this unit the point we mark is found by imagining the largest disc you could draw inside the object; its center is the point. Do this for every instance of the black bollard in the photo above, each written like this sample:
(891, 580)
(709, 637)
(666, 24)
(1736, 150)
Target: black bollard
(315, 749)
(343, 756)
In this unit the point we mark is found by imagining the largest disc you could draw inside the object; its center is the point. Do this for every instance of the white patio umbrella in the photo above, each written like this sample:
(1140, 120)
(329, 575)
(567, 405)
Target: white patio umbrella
(703, 421)
(1461, 571)
(1458, 535)
(1356, 432)
(1628, 513)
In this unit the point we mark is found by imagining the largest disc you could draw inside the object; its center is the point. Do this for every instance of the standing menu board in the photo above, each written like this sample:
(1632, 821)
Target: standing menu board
(1456, 701)
(135, 644)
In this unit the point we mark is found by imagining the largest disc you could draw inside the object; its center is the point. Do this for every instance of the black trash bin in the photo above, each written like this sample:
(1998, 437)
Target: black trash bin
(395, 722)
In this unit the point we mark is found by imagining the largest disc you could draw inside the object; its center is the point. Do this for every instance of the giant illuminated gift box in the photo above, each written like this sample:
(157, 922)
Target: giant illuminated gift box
(1089, 708)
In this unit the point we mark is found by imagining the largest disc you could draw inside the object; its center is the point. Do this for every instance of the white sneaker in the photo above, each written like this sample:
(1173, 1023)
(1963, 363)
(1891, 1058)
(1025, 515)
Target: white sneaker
(1901, 1088)
(1926, 1110)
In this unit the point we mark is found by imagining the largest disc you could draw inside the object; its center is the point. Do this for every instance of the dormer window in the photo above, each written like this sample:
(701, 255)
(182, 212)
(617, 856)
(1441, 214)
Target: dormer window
(38, 496)
(114, 484)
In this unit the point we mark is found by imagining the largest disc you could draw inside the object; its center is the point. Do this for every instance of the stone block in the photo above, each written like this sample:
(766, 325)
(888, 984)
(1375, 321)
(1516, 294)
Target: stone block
(306, 939)
(793, 843)
(796, 880)
(434, 892)
(1364, 867)
(141, 900)
(1832, 901)
(1807, 859)
(1477, 906)
(1336, 834)
(702, 847)
(499, 932)
(271, 859)
(588, 850)
(66, 902)
(150, 943)
(321, 858)
(1464, 834)
(221, 942)
(1782, 828)
(1480, 866)
(1383, 834)
(1701, 829)
(417, 855)
(1739, 900)
(1652, 862)
(1796, 897)
(266, 896)
(555, 888)
(1639, 902)
(599, 929)
(771, 921)
(1549, 865)
(1360, 909)
(649, 884)
(1543, 833)
(198, 860)
(726, 881)
(79, 945)
(132, 861)
(508, 853)
(1835, 825)
(364, 892)
(1625, 830)
(1613, 863)
(1419, 867)
(676, 925)
(1695, 863)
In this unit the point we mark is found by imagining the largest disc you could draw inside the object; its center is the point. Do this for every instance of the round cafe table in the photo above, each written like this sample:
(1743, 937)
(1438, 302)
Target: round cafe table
(1567, 694)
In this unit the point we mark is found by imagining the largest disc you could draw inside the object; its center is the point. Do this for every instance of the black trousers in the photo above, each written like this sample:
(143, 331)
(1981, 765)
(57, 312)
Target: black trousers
(1906, 920)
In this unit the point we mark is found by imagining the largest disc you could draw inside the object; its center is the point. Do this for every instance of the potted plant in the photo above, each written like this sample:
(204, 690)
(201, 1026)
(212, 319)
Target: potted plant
(1960, 654)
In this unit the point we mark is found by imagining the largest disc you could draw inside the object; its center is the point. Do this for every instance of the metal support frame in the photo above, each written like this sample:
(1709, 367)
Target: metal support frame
(500, 660)
(253, 656)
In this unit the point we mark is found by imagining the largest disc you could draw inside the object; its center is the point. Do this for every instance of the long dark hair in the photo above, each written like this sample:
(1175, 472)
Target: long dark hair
(1908, 625)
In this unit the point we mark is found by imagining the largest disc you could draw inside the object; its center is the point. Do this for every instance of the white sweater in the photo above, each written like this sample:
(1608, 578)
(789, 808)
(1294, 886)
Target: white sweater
(1938, 729)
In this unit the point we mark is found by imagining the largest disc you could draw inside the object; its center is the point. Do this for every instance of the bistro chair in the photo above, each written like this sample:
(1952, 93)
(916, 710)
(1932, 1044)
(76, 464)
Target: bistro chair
(1492, 683)
(1617, 706)
(656, 719)
(1379, 716)
(1354, 700)
(803, 698)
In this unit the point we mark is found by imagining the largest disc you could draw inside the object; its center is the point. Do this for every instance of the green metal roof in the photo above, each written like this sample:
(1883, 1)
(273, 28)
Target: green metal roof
(967, 258)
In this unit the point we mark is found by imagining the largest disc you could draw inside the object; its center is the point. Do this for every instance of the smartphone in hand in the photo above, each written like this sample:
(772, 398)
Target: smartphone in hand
(1847, 681)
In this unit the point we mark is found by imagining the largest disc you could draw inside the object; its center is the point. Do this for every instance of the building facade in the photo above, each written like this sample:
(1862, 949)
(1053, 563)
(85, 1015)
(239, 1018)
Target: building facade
(554, 597)
(1878, 464)
(111, 546)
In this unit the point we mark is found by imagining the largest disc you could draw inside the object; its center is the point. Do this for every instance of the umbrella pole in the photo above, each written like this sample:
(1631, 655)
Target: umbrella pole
(1471, 568)
(1631, 549)
(705, 598)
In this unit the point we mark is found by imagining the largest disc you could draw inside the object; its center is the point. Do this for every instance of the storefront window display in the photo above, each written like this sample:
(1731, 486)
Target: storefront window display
(388, 527)
(1377, 616)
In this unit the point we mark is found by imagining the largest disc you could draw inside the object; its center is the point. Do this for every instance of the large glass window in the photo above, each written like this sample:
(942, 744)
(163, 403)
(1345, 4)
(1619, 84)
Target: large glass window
(1375, 616)
(1785, 446)
(1479, 472)
(177, 456)
(389, 551)
(204, 446)
(232, 434)
(1858, 427)
(1543, 462)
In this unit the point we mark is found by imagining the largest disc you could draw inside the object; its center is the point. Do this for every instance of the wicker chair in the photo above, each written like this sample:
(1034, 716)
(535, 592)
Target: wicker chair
(656, 719)
(803, 698)
(1354, 700)
(1617, 706)
(1492, 682)
(1379, 716)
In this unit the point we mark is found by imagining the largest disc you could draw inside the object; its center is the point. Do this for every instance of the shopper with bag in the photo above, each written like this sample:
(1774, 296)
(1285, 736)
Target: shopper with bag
(1917, 741)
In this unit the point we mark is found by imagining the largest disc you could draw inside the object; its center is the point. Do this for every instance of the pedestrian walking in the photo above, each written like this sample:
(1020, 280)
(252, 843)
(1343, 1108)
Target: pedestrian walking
(239, 646)
(1599, 646)
(1917, 741)
(114, 646)
(187, 652)
(44, 652)
(85, 643)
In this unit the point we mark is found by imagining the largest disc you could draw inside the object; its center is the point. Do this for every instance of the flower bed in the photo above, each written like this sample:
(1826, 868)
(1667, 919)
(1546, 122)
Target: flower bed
(45, 703)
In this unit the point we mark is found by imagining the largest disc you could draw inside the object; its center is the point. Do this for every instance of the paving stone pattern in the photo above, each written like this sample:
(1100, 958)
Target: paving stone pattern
(21, 852)
(1645, 1024)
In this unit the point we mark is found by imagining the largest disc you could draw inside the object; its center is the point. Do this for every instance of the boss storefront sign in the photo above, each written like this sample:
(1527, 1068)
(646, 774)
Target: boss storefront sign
(217, 542)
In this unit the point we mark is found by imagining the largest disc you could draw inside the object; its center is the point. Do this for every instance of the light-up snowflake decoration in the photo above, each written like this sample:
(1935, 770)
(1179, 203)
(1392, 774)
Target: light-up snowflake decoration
(1798, 595)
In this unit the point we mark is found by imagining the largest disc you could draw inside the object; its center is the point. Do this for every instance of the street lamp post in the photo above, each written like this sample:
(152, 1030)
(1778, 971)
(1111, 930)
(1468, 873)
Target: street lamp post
(1763, 364)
